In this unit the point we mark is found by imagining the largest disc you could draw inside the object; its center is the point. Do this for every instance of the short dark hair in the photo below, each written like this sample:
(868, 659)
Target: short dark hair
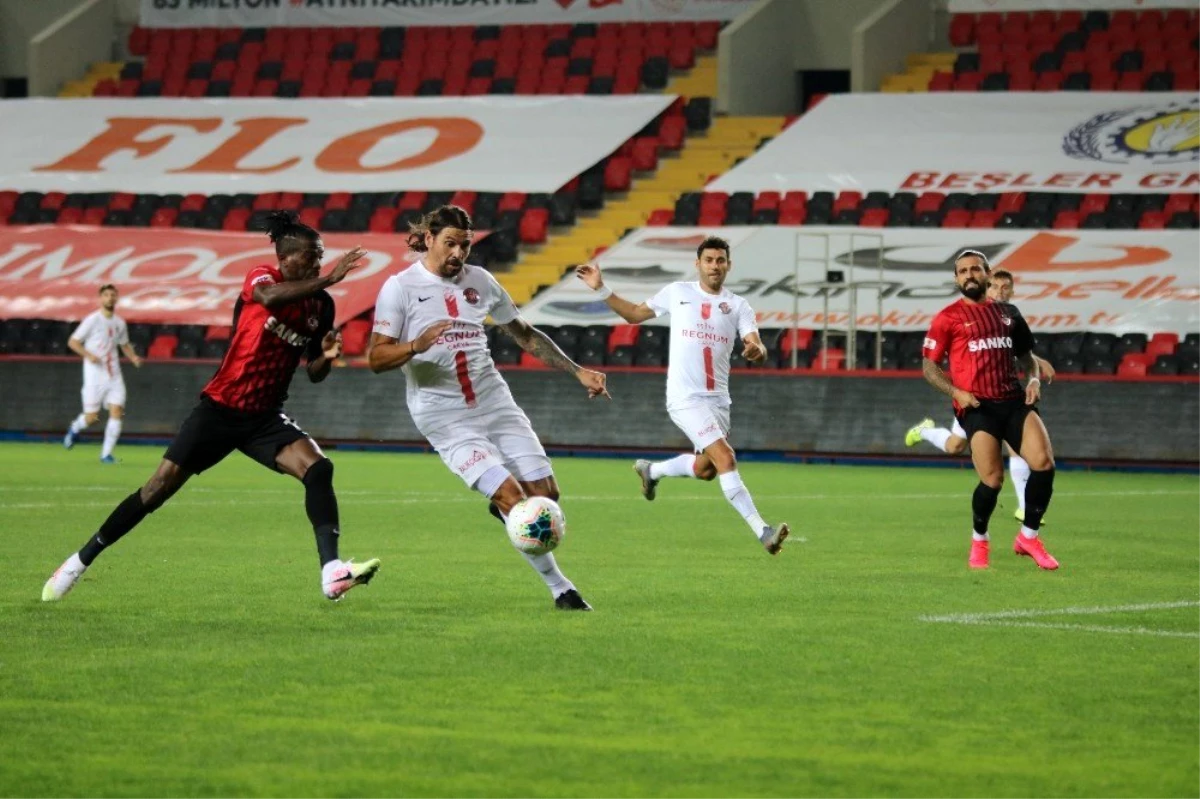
(434, 222)
(1003, 274)
(713, 243)
(289, 234)
(106, 287)
(987, 265)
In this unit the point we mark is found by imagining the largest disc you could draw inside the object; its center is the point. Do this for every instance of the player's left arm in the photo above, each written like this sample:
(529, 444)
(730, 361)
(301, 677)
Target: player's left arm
(1046, 368)
(131, 354)
(752, 345)
(538, 344)
(1029, 363)
(325, 347)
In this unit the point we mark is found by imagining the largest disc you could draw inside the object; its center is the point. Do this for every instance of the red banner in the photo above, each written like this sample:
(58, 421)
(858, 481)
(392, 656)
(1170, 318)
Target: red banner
(166, 275)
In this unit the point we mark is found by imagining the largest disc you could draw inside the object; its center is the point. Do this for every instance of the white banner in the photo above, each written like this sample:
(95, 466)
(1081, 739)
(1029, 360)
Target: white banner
(1101, 281)
(976, 6)
(983, 142)
(371, 13)
(529, 144)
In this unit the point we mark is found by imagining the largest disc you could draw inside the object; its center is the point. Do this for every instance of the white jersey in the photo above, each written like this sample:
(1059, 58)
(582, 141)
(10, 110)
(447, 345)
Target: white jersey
(101, 336)
(456, 377)
(704, 328)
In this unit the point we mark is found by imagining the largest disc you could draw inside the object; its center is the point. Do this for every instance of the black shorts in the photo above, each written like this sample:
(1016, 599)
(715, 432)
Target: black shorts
(212, 431)
(1003, 419)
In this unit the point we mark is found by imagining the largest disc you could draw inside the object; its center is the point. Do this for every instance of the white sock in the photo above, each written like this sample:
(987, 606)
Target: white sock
(1019, 469)
(1025, 531)
(112, 431)
(979, 536)
(739, 497)
(938, 436)
(547, 567)
(79, 425)
(679, 466)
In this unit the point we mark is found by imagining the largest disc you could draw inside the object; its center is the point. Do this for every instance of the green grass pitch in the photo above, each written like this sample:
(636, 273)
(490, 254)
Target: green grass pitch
(198, 658)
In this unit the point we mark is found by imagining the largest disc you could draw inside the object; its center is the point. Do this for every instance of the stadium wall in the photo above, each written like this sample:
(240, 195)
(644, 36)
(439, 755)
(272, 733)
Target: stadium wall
(20, 21)
(773, 412)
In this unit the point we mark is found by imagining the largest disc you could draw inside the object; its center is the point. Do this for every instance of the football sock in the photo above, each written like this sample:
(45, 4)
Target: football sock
(735, 491)
(112, 431)
(979, 536)
(938, 436)
(679, 466)
(321, 505)
(1037, 499)
(124, 518)
(547, 567)
(79, 425)
(983, 502)
(1019, 470)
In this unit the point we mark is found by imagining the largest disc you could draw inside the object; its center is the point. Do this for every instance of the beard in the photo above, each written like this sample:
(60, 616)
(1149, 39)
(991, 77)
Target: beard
(972, 290)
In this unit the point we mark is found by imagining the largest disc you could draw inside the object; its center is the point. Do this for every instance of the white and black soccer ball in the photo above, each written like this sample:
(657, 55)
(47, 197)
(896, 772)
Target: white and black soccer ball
(536, 525)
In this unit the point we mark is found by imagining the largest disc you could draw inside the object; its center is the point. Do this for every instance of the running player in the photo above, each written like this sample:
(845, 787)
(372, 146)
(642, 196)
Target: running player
(429, 321)
(983, 338)
(96, 341)
(706, 319)
(282, 314)
(953, 441)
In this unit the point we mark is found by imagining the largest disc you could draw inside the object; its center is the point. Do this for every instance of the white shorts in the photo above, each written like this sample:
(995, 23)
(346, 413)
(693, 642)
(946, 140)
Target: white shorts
(103, 394)
(503, 438)
(703, 423)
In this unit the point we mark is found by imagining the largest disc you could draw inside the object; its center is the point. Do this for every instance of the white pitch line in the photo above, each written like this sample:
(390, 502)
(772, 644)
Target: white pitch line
(968, 618)
(1090, 628)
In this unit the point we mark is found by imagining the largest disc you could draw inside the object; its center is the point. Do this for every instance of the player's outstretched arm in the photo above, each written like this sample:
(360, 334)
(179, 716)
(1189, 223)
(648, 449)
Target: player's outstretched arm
(633, 314)
(938, 379)
(538, 344)
(386, 353)
(277, 294)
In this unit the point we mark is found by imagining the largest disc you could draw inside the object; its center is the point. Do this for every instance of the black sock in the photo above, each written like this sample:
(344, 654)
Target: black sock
(1038, 491)
(321, 505)
(124, 518)
(983, 502)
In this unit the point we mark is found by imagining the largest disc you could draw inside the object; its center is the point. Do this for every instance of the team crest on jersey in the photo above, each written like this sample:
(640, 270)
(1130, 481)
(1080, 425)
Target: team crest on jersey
(471, 296)
(725, 309)
(1006, 320)
(705, 310)
(313, 322)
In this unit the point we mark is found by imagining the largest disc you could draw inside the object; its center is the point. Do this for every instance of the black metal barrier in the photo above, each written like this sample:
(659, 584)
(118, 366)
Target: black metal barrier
(773, 412)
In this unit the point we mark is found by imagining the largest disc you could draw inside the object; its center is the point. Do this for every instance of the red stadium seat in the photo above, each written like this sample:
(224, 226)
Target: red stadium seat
(618, 174)
(622, 336)
(874, 217)
(1067, 220)
(795, 339)
(193, 202)
(1153, 220)
(958, 218)
(534, 226)
(660, 217)
(69, 216)
(767, 201)
(1162, 344)
(164, 217)
(1134, 364)
(511, 201)
(929, 202)
(355, 335)
(383, 220)
(53, 200)
(829, 360)
(163, 347)
(984, 219)
(236, 219)
(218, 333)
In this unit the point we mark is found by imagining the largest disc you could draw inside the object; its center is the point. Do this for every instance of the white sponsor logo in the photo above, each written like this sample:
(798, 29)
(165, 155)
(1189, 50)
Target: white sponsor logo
(990, 343)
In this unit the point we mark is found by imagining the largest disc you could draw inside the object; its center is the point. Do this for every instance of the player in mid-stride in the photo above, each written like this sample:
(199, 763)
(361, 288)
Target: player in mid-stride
(953, 440)
(429, 320)
(985, 341)
(96, 340)
(282, 314)
(706, 319)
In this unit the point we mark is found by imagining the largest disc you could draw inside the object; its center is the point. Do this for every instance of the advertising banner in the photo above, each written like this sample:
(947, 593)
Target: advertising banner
(167, 275)
(1105, 142)
(529, 144)
(1066, 281)
(382, 13)
(977, 6)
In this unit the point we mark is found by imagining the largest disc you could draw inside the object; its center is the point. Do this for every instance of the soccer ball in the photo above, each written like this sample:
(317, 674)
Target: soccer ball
(536, 525)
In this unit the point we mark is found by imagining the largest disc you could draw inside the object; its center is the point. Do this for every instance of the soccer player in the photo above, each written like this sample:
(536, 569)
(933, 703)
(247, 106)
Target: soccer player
(96, 341)
(282, 314)
(983, 337)
(429, 322)
(706, 319)
(953, 440)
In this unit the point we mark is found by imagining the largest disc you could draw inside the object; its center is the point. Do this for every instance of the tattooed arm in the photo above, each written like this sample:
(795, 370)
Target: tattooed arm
(538, 344)
(938, 379)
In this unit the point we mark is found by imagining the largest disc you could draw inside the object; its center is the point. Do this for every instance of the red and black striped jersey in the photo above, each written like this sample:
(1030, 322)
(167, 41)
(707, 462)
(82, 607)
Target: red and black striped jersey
(982, 340)
(267, 345)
